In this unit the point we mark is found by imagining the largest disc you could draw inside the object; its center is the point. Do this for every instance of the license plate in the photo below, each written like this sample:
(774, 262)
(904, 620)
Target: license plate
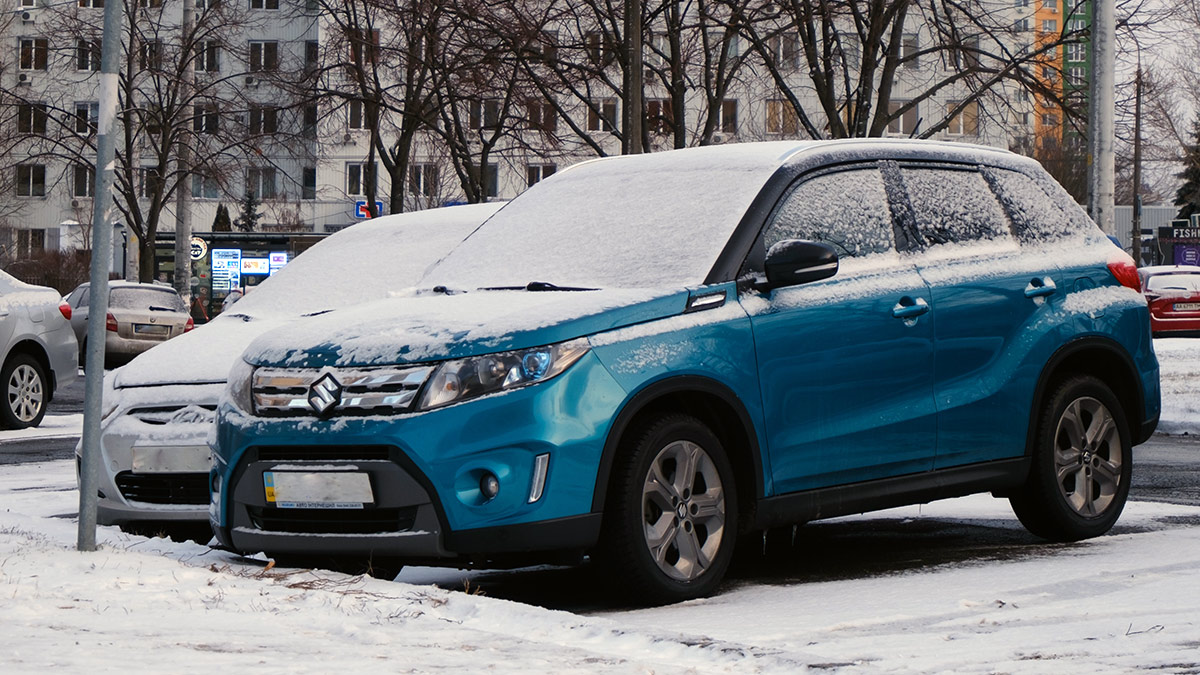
(150, 329)
(317, 489)
(177, 459)
(1187, 306)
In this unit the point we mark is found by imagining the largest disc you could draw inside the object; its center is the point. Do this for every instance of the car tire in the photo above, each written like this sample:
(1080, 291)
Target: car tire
(25, 392)
(1081, 464)
(669, 531)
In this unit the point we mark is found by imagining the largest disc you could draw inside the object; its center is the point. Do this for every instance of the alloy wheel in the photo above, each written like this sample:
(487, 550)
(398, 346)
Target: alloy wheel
(25, 394)
(1087, 457)
(683, 510)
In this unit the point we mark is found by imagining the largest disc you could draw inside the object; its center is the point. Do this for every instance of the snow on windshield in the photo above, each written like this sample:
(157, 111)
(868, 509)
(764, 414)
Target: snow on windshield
(368, 261)
(637, 221)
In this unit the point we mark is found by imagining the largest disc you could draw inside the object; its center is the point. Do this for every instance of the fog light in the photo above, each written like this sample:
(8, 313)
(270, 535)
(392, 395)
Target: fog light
(489, 485)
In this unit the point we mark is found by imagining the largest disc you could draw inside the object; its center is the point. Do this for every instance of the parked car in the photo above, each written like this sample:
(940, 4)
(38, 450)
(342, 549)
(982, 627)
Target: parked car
(158, 408)
(641, 358)
(140, 316)
(1173, 293)
(38, 351)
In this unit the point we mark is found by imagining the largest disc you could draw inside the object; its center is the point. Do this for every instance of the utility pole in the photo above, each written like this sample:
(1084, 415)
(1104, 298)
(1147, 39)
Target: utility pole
(632, 115)
(183, 162)
(1102, 116)
(1136, 234)
(102, 227)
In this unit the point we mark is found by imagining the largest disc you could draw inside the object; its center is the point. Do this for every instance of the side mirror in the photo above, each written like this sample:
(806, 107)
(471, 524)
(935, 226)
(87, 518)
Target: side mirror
(795, 261)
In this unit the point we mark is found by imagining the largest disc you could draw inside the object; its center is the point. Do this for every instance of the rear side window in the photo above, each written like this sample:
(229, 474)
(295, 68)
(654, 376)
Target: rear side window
(847, 210)
(1036, 215)
(954, 206)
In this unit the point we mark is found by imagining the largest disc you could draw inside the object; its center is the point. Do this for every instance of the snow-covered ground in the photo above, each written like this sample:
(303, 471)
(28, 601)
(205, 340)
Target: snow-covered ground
(1127, 601)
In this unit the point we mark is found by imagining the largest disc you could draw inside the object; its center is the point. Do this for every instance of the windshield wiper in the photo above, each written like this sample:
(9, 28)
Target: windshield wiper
(156, 308)
(538, 286)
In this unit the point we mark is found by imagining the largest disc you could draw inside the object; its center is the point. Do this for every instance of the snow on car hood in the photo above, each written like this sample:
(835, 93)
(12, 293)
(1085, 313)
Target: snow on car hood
(203, 355)
(435, 326)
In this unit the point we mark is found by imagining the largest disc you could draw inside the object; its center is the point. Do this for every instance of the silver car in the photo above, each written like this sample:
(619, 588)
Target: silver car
(158, 409)
(140, 316)
(39, 351)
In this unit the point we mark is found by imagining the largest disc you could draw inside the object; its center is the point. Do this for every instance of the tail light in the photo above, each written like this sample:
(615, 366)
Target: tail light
(189, 325)
(110, 322)
(65, 309)
(1125, 270)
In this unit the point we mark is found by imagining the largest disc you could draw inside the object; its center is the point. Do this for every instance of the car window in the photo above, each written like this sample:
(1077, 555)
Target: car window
(145, 298)
(954, 206)
(1036, 215)
(847, 210)
(81, 297)
(1173, 282)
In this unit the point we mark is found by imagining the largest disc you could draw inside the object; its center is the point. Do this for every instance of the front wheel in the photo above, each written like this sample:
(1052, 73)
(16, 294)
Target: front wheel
(1082, 463)
(671, 521)
(25, 393)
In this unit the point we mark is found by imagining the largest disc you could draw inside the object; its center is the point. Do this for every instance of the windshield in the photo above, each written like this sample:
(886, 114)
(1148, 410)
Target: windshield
(367, 261)
(145, 298)
(1174, 282)
(637, 221)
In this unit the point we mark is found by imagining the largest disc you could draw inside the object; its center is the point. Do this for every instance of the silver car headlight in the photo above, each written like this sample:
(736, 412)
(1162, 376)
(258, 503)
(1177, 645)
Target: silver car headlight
(464, 379)
(238, 389)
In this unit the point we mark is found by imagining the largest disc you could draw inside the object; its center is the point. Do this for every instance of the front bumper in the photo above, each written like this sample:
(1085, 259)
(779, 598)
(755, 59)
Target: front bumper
(424, 470)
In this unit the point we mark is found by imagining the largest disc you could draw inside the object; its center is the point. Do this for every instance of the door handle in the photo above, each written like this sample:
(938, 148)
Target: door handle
(909, 308)
(1040, 288)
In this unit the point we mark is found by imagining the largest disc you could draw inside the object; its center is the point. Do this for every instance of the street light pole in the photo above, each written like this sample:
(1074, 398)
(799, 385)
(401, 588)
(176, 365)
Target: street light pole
(102, 227)
(1102, 116)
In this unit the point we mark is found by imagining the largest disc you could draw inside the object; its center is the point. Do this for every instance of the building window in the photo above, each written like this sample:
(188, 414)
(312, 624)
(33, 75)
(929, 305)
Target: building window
(364, 46)
(205, 119)
(785, 51)
(423, 180)
(87, 55)
(542, 116)
(909, 46)
(355, 115)
(31, 180)
(660, 116)
(204, 186)
(151, 182)
(905, 124)
(727, 116)
(1076, 76)
(1050, 6)
(208, 57)
(537, 172)
(484, 114)
(264, 4)
(29, 3)
(151, 55)
(34, 53)
(1077, 25)
(261, 181)
(1076, 51)
(782, 118)
(597, 48)
(602, 115)
(31, 118)
(310, 120)
(965, 122)
(1020, 25)
(312, 56)
(308, 189)
(491, 179)
(360, 177)
(87, 115)
(82, 181)
(1049, 120)
(1020, 3)
(263, 119)
(1049, 25)
(264, 55)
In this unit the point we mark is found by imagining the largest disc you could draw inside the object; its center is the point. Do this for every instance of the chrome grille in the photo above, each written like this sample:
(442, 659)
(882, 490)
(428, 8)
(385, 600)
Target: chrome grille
(387, 390)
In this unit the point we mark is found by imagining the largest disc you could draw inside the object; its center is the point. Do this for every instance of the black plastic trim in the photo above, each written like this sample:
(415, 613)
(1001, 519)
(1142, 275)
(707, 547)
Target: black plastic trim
(572, 532)
(652, 393)
(844, 500)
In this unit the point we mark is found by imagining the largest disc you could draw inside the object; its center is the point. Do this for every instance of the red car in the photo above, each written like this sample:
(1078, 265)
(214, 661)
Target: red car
(1173, 293)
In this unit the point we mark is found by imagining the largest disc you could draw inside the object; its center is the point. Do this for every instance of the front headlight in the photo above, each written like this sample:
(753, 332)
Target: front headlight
(238, 389)
(464, 379)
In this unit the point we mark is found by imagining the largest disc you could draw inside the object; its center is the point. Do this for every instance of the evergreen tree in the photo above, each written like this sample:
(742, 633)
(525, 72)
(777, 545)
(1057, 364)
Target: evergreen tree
(222, 223)
(247, 220)
(1188, 196)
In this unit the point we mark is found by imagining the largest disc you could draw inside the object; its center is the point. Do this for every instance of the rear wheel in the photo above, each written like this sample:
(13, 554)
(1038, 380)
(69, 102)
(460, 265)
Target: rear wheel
(671, 521)
(1082, 463)
(25, 392)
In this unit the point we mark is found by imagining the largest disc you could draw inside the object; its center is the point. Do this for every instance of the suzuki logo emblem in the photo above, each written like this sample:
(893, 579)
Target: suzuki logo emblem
(324, 394)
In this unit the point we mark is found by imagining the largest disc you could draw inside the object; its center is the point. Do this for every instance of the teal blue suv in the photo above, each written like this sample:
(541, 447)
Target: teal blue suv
(642, 359)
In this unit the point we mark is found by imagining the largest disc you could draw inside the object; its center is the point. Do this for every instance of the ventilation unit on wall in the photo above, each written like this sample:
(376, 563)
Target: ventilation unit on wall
(27, 17)
(23, 78)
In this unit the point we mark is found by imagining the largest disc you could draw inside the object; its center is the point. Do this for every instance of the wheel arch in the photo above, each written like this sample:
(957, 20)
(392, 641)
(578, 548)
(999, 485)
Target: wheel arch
(712, 403)
(38, 353)
(1103, 359)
